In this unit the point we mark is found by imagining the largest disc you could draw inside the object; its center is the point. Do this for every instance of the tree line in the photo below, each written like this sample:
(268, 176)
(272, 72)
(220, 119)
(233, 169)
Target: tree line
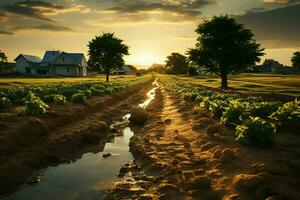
(223, 46)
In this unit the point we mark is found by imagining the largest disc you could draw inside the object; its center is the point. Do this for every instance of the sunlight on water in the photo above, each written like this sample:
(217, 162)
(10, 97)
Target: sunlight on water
(89, 176)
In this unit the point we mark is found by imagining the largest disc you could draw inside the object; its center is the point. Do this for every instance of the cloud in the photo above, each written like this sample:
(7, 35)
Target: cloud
(44, 27)
(134, 11)
(2, 32)
(276, 28)
(31, 9)
(281, 2)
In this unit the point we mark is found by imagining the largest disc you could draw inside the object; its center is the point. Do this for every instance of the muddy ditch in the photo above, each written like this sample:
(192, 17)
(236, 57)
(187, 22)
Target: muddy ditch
(91, 169)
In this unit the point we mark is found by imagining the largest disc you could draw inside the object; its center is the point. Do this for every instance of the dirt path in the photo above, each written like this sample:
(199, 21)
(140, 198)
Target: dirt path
(32, 143)
(183, 154)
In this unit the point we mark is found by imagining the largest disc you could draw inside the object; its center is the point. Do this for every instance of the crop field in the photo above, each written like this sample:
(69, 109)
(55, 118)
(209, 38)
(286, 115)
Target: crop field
(150, 136)
(285, 86)
(15, 81)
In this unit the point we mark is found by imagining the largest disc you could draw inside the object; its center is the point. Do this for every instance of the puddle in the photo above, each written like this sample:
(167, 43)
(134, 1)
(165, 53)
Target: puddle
(89, 176)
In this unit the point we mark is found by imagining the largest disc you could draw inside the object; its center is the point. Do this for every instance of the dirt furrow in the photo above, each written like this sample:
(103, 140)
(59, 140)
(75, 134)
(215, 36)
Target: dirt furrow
(38, 142)
(186, 154)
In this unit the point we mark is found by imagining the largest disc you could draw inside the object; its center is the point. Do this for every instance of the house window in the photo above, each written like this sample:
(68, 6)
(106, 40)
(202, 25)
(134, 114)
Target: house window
(68, 69)
(63, 58)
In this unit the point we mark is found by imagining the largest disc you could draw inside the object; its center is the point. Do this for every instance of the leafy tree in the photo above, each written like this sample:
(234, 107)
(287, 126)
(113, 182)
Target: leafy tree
(192, 71)
(3, 58)
(224, 46)
(159, 68)
(177, 63)
(106, 52)
(296, 60)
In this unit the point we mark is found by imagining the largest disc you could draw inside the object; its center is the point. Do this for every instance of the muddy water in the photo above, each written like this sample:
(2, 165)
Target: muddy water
(89, 176)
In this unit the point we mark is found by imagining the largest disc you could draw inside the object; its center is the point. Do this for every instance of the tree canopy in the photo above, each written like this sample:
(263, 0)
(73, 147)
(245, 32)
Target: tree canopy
(106, 52)
(224, 46)
(176, 63)
(3, 58)
(296, 60)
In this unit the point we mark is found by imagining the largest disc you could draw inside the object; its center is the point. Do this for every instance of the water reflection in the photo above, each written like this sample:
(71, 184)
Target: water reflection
(89, 176)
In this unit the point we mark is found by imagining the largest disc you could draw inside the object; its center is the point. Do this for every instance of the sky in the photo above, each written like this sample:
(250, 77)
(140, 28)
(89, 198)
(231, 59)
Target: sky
(152, 29)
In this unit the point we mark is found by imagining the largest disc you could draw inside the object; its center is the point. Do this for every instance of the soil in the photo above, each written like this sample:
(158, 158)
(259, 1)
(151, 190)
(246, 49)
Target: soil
(63, 135)
(179, 153)
(184, 154)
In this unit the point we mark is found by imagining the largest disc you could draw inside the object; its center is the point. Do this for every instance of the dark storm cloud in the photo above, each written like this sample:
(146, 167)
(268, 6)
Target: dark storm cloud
(31, 9)
(281, 2)
(277, 28)
(45, 27)
(2, 32)
(181, 9)
(154, 6)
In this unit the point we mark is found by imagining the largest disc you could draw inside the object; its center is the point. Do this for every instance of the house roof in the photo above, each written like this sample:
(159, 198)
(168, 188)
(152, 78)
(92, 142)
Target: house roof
(124, 68)
(78, 57)
(30, 58)
(49, 56)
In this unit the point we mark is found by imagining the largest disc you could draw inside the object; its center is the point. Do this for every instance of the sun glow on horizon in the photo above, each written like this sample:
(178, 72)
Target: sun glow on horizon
(146, 59)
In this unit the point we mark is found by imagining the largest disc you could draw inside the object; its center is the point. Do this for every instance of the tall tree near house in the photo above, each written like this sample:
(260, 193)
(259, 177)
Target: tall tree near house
(177, 63)
(3, 58)
(296, 60)
(224, 46)
(107, 51)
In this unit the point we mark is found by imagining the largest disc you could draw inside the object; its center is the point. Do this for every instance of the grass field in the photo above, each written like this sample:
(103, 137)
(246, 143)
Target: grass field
(256, 84)
(15, 81)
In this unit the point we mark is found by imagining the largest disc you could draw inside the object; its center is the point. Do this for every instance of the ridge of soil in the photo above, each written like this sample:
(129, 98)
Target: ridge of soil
(184, 154)
(31, 143)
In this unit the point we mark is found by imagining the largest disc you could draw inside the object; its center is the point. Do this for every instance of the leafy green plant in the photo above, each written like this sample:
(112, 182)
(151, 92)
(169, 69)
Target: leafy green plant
(234, 114)
(78, 98)
(5, 103)
(97, 90)
(256, 131)
(59, 99)
(263, 109)
(34, 105)
(287, 111)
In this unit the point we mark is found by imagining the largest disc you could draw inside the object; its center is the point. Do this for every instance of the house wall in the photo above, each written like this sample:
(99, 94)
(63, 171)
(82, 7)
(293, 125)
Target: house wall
(21, 65)
(65, 66)
(65, 70)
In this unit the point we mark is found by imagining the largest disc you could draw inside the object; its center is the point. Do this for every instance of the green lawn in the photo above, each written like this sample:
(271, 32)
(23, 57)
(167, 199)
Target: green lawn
(14, 81)
(256, 84)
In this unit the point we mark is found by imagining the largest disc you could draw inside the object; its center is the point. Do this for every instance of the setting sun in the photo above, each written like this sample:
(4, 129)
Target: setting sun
(145, 59)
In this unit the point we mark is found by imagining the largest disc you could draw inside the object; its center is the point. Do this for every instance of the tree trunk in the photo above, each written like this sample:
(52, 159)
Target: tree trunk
(224, 81)
(107, 74)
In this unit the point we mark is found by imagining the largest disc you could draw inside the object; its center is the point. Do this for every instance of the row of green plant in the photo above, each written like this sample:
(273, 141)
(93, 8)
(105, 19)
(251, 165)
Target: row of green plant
(36, 98)
(255, 120)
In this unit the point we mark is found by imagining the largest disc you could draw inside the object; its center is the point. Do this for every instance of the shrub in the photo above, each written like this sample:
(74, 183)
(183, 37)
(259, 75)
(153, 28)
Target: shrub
(5, 103)
(256, 131)
(34, 105)
(78, 97)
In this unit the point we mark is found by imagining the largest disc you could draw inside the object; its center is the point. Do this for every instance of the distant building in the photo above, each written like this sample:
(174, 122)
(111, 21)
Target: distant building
(25, 63)
(272, 66)
(54, 63)
(7, 68)
(124, 70)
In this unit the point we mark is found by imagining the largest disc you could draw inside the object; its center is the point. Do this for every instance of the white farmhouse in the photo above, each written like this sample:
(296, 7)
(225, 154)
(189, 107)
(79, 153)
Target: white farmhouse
(54, 63)
(25, 63)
